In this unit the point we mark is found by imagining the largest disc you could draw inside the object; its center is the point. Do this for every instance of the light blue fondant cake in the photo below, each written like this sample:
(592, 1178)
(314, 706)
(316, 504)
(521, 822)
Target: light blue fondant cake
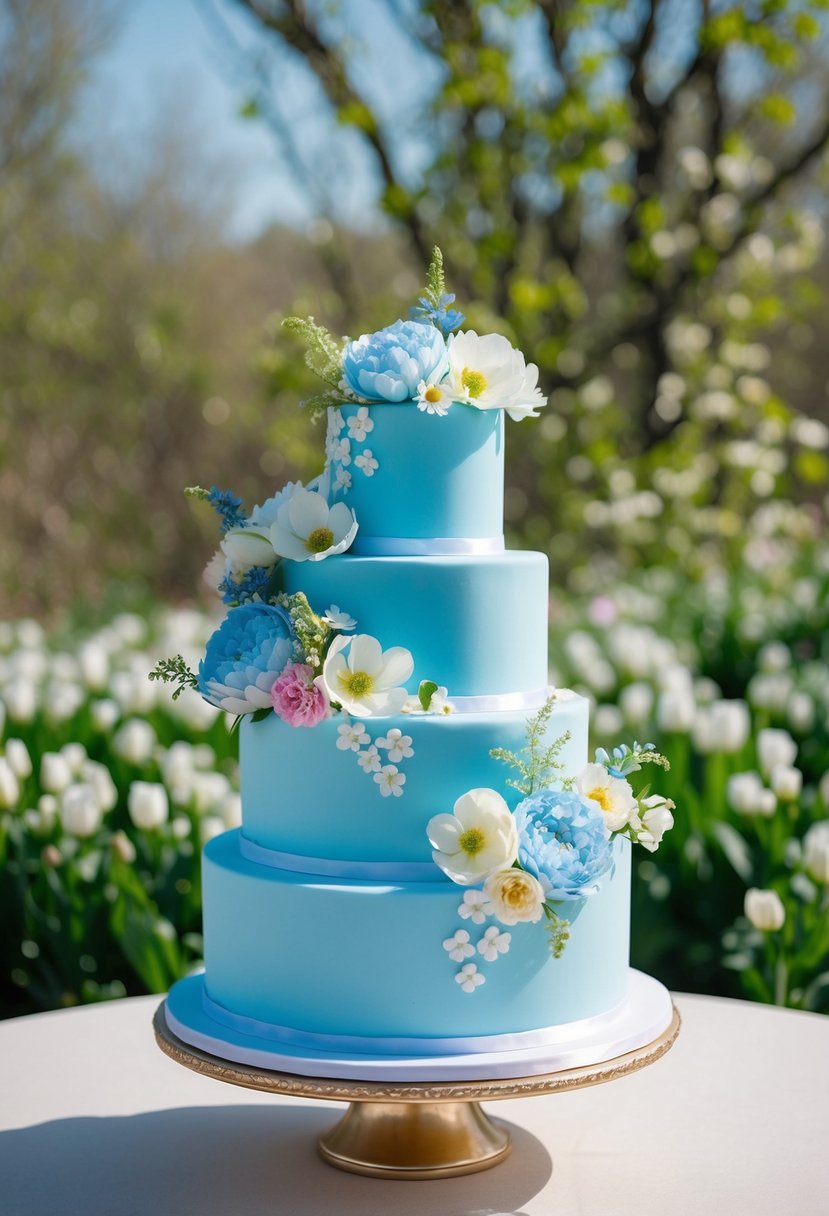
(427, 863)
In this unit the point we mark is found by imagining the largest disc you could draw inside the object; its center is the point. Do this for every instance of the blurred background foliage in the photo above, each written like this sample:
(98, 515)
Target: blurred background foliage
(634, 192)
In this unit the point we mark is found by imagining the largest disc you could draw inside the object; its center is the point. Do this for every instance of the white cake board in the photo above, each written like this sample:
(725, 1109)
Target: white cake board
(643, 1016)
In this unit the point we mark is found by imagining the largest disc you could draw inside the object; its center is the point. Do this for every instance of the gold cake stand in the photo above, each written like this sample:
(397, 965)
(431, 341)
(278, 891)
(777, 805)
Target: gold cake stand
(405, 1129)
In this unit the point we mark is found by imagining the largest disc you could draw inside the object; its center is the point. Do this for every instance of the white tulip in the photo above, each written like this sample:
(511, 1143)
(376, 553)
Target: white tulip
(774, 656)
(122, 847)
(786, 782)
(747, 795)
(62, 701)
(607, 721)
(801, 712)
(20, 699)
(20, 762)
(80, 812)
(93, 662)
(722, 727)
(104, 714)
(636, 703)
(816, 851)
(99, 777)
(180, 827)
(148, 805)
(134, 742)
(75, 756)
(9, 785)
(55, 773)
(676, 710)
(177, 763)
(209, 827)
(230, 810)
(775, 747)
(764, 909)
(196, 713)
(47, 809)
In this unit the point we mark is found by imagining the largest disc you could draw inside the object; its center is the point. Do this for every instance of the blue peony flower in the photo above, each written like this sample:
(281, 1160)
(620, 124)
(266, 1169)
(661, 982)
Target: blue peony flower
(390, 364)
(244, 656)
(443, 317)
(563, 840)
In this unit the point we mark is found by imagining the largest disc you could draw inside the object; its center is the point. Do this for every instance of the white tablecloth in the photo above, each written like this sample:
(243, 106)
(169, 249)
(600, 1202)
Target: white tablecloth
(96, 1121)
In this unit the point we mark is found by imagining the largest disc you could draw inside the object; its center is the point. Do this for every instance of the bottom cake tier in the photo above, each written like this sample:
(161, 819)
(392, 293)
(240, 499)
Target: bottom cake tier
(345, 965)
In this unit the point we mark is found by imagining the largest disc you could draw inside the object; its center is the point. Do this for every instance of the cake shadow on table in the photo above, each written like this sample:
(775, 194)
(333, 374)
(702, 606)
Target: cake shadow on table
(244, 1160)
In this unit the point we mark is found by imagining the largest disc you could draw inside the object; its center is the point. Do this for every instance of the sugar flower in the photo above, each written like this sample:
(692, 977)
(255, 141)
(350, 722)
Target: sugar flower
(440, 315)
(360, 424)
(307, 529)
(514, 896)
(612, 794)
(564, 841)
(352, 736)
(390, 781)
(337, 619)
(388, 365)
(296, 698)
(764, 909)
(488, 373)
(476, 840)
(367, 463)
(475, 907)
(493, 943)
(369, 760)
(656, 821)
(244, 656)
(434, 398)
(367, 680)
(469, 978)
(398, 745)
(458, 946)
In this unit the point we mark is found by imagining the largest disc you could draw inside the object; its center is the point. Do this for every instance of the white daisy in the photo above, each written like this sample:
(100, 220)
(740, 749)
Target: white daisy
(458, 946)
(369, 680)
(360, 425)
(366, 462)
(353, 735)
(493, 943)
(307, 529)
(390, 780)
(469, 978)
(612, 794)
(433, 398)
(398, 745)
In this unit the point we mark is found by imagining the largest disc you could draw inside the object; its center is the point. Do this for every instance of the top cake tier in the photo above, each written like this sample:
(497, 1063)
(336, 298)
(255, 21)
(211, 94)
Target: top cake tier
(418, 483)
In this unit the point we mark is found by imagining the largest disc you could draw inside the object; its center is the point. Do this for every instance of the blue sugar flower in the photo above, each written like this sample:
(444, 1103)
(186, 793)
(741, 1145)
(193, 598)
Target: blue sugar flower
(251, 586)
(390, 364)
(443, 317)
(244, 657)
(228, 507)
(564, 842)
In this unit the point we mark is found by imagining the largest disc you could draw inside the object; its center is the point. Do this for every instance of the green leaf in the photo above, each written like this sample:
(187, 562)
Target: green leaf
(259, 715)
(425, 693)
(174, 671)
(736, 850)
(323, 353)
(435, 279)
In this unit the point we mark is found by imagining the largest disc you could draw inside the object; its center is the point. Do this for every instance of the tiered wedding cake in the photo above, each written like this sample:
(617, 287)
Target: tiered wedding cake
(429, 874)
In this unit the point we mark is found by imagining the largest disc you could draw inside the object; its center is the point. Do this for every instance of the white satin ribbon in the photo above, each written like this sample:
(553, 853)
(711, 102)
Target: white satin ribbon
(495, 702)
(327, 867)
(427, 546)
(405, 1045)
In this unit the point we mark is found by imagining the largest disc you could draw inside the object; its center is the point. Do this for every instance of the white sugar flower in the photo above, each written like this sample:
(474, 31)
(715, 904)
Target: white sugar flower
(656, 821)
(775, 747)
(411, 706)
(307, 529)
(476, 840)
(335, 420)
(493, 943)
(434, 398)
(515, 896)
(488, 373)
(459, 946)
(764, 910)
(369, 680)
(475, 907)
(612, 794)
(352, 736)
(243, 547)
(343, 479)
(367, 463)
(342, 451)
(369, 760)
(398, 745)
(440, 703)
(337, 619)
(469, 978)
(147, 804)
(390, 780)
(360, 424)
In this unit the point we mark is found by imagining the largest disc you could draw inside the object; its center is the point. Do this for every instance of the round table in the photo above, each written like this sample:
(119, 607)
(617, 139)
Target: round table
(95, 1119)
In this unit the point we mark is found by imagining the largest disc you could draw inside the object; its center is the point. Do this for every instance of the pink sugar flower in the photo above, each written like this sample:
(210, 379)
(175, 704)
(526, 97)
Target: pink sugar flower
(296, 698)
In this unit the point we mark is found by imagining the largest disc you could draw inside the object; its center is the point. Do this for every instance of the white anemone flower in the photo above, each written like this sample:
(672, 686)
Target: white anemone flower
(307, 529)
(613, 795)
(245, 548)
(487, 372)
(368, 681)
(477, 840)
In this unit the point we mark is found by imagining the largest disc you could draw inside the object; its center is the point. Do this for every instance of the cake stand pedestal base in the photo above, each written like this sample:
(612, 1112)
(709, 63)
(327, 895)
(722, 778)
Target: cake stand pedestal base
(406, 1129)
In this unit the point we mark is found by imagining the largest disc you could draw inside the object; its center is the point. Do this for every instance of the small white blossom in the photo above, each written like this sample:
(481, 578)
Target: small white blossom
(612, 795)
(390, 780)
(459, 946)
(122, 847)
(493, 943)
(440, 703)
(342, 451)
(469, 978)
(336, 422)
(676, 710)
(475, 907)
(343, 479)
(433, 399)
(369, 760)
(765, 910)
(366, 462)
(411, 706)
(353, 735)
(656, 821)
(360, 424)
(786, 782)
(337, 619)
(775, 747)
(398, 745)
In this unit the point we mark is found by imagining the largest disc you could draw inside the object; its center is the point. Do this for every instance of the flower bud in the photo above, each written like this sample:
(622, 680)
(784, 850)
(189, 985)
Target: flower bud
(55, 773)
(134, 742)
(51, 857)
(20, 762)
(20, 697)
(816, 851)
(122, 847)
(104, 714)
(148, 805)
(676, 710)
(80, 813)
(764, 910)
(9, 785)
